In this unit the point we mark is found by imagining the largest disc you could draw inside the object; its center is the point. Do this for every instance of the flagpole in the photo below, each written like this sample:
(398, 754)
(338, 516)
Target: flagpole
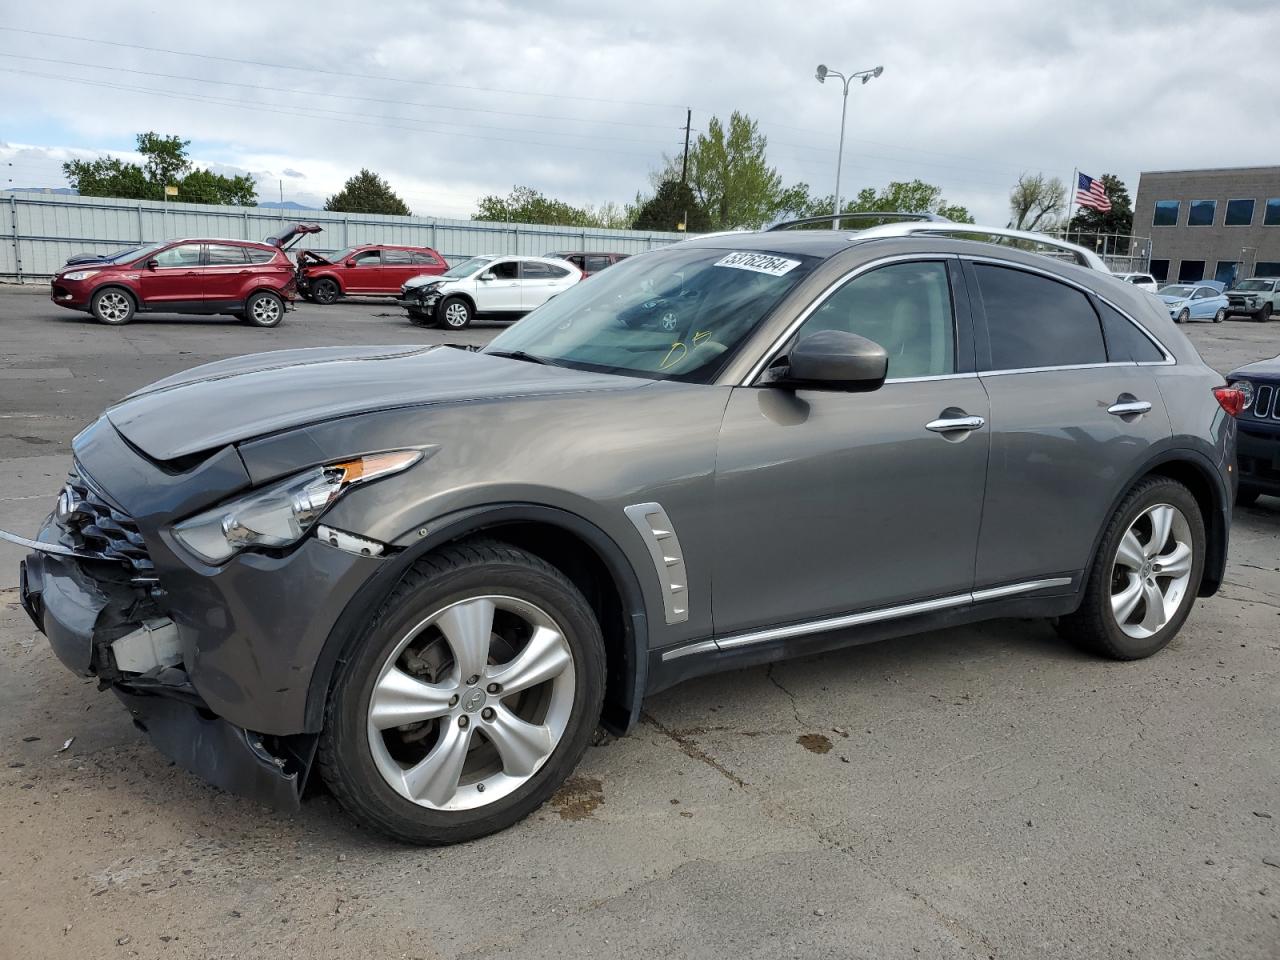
(1071, 199)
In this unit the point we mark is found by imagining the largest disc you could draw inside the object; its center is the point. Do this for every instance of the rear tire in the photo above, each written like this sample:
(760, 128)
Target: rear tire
(1142, 569)
(454, 313)
(325, 291)
(263, 309)
(406, 755)
(113, 306)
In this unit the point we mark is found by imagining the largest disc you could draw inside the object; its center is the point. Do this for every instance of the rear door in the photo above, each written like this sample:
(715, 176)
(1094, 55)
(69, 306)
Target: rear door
(595, 262)
(1074, 414)
(398, 265)
(226, 271)
(177, 279)
(539, 282)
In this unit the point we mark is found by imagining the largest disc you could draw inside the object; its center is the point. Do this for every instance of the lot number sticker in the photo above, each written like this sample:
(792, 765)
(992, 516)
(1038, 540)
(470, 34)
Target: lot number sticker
(759, 263)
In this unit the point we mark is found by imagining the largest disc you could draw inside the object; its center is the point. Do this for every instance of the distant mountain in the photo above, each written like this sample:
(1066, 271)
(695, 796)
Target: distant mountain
(61, 191)
(287, 205)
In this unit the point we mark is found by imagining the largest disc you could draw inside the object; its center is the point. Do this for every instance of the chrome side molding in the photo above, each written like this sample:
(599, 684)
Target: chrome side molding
(867, 616)
(659, 536)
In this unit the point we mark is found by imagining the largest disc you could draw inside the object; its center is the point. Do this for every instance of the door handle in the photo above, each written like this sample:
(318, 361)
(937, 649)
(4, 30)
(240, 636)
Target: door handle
(1129, 408)
(954, 424)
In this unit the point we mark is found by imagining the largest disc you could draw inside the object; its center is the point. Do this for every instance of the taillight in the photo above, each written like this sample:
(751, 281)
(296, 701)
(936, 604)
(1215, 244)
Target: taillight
(1231, 399)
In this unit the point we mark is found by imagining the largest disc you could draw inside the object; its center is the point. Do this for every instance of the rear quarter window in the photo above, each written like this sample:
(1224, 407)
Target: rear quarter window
(257, 255)
(1124, 340)
(1033, 321)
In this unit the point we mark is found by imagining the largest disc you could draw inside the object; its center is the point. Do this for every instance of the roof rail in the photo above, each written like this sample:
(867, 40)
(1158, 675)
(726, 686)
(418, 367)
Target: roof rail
(860, 215)
(1082, 256)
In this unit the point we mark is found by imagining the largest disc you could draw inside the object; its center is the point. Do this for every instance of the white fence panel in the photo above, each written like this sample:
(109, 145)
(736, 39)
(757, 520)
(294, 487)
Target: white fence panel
(40, 231)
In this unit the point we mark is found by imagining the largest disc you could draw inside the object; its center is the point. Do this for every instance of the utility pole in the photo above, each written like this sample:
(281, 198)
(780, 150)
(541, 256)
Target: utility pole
(688, 124)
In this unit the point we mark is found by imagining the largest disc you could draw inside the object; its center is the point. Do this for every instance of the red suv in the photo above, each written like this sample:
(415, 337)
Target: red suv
(372, 269)
(589, 263)
(242, 278)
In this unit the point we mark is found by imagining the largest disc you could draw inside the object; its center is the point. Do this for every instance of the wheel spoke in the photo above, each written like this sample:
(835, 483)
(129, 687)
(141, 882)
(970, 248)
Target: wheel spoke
(1177, 562)
(399, 698)
(1123, 603)
(1130, 553)
(545, 656)
(520, 744)
(435, 778)
(1161, 517)
(1155, 616)
(468, 627)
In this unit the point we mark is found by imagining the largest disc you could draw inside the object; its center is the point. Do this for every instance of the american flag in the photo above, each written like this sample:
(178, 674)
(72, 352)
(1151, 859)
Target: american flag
(1090, 193)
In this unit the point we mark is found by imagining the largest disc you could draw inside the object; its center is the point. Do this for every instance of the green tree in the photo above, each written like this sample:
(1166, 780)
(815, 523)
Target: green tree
(165, 163)
(366, 192)
(527, 205)
(1119, 219)
(898, 196)
(731, 176)
(672, 203)
(1035, 202)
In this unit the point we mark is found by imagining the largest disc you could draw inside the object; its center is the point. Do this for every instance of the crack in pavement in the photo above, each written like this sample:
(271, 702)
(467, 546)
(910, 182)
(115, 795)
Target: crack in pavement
(691, 750)
(795, 708)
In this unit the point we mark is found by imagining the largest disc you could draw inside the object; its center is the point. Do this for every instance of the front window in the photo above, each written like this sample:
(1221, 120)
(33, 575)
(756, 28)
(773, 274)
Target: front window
(183, 255)
(674, 314)
(467, 268)
(1176, 290)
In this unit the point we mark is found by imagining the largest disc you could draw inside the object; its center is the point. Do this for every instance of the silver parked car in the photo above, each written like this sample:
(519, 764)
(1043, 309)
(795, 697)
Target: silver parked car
(429, 573)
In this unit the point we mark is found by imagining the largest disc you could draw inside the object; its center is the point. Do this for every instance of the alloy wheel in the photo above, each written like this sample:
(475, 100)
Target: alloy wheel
(113, 307)
(1151, 571)
(266, 310)
(455, 314)
(471, 703)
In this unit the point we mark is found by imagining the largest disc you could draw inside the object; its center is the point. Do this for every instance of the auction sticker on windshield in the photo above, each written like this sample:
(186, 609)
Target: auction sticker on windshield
(759, 263)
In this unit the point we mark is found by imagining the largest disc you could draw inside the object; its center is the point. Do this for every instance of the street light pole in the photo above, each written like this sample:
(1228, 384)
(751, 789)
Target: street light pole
(864, 76)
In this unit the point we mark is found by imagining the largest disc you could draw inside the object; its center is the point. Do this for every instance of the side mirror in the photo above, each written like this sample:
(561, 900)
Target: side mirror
(486, 276)
(835, 360)
(152, 264)
(351, 263)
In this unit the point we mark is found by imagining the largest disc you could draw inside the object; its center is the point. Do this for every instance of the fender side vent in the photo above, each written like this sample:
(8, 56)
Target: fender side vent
(668, 560)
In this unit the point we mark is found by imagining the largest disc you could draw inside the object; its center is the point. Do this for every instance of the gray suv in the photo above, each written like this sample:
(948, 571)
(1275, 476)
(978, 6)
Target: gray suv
(427, 573)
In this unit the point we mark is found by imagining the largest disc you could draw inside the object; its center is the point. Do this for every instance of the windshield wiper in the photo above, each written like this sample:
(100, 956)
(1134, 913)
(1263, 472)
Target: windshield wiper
(528, 357)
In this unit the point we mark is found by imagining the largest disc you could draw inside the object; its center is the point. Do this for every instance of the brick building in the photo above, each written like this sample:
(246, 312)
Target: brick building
(1219, 224)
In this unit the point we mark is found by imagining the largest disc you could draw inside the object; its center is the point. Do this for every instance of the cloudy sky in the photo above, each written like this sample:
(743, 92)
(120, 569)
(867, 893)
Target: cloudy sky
(451, 101)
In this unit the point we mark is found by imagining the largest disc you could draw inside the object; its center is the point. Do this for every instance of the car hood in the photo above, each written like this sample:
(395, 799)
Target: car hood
(228, 401)
(1259, 368)
(1171, 299)
(422, 280)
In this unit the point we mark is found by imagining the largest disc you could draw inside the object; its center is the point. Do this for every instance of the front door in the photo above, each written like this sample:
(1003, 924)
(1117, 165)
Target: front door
(1073, 419)
(365, 273)
(176, 280)
(501, 294)
(829, 502)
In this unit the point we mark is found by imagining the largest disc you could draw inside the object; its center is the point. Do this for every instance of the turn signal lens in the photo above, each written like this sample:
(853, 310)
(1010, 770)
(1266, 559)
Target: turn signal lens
(1231, 399)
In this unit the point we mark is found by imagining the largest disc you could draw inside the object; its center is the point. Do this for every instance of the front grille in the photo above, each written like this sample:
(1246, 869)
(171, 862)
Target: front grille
(90, 523)
(1266, 403)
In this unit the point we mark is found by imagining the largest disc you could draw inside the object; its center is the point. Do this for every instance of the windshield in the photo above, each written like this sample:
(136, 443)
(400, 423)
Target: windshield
(672, 314)
(134, 253)
(467, 267)
(1176, 290)
(1254, 285)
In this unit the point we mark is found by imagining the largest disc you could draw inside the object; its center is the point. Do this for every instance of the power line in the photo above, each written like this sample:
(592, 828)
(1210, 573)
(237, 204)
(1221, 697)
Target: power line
(338, 73)
(336, 96)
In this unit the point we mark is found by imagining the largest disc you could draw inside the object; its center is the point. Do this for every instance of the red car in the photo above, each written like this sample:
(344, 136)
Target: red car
(374, 269)
(245, 279)
(589, 263)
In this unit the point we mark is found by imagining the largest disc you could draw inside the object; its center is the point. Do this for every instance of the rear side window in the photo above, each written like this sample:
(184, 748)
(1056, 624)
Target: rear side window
(221, 254)
(595, 264)
(1033, 321)
(257, 255)
(419, 258)
(1124, 340)
(396, 258)
(904, 307)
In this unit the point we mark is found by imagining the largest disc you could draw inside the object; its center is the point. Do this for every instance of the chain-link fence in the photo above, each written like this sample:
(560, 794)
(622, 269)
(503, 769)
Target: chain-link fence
(1120, 251)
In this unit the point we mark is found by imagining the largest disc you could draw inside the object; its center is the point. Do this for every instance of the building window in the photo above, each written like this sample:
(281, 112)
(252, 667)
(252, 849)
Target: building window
(1167, 212)
(1239, 213)
(1202, 213)
(1267, 268)
(1191, 271)
(1160, 270)
(1228, 272)
(1271, 218)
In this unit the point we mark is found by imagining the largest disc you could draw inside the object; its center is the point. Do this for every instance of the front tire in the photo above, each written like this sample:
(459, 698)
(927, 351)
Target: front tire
(324, 291)
(112, 306)
(470, 698)
(1145, 576)
(1264, 314)
(454, 313)
(1182, 317)
(1220, 315)
(263, 309)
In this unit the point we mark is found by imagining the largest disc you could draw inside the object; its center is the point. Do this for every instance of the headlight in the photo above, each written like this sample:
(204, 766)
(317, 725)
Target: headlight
(284, 512)
(79, 275)
(1245, 387)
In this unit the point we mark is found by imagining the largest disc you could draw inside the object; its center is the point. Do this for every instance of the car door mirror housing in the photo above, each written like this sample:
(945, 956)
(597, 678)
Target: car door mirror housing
(834, 360)
(351, 263)
(152, 264)
(486, 276)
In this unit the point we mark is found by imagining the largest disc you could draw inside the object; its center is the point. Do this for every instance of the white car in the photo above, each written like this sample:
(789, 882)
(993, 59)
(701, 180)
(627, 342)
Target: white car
(1143, 280)
(499, 287)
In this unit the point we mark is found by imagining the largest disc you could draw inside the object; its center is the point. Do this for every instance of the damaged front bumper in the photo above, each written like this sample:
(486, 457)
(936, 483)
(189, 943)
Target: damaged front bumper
(84, 619)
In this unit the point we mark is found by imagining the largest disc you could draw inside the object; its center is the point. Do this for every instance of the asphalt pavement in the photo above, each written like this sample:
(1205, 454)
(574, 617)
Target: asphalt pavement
(982, 792)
